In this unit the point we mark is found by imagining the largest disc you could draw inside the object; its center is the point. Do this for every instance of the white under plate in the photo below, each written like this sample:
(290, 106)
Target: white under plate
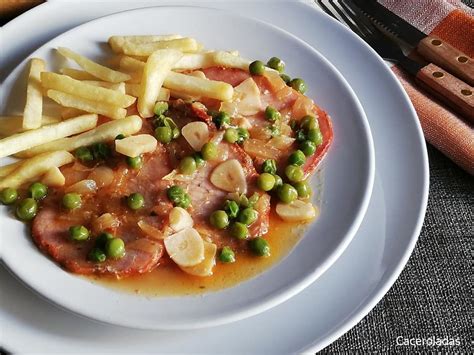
(348, 173)
(330, 306)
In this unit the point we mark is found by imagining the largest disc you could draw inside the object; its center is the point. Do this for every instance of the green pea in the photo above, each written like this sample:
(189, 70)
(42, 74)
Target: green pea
(101, 151)
(247, 216)
(78, 233)
(102, 239)
(135, 201)
(179, 198)
(277, 64)
(83, 154)
(160, 108)
(231, 208)
(209, 151)
(115, 248)
(275, 130)
(163, 134)
(299, 85)
(175, 193)
(221, 119)
(253, 199)
(307, 147)
(27, 209)
(8, 196)
(285, 78)
(38, 190)
(200, 162)
(187, 165)
(309, 122)
(315, 136)
(163, 121)
(266, 181)
(219, 219)
(135, 162)
(243, 134)
(257, 67)
(227, 255)
(294, 173)
(72, 201)
(97, 255)
(269, 166)
(278, 182)
(272, 114)
(259, 246)
(239, 230)
(300, 135)
(231, 135)
(287, 193)
(185, 201)
(303, 189)
(297, 158)
(119, 136)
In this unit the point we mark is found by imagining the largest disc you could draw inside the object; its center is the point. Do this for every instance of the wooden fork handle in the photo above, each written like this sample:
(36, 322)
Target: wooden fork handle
(437, 51)
(449, 89)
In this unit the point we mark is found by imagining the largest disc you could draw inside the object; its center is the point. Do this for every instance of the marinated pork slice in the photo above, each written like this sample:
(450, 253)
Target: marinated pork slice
(143, 253)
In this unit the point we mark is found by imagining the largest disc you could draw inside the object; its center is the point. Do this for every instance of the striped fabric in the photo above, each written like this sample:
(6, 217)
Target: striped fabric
(453, 22)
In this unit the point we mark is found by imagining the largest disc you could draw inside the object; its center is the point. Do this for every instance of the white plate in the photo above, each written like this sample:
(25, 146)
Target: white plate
(348, 173)
(338, 299)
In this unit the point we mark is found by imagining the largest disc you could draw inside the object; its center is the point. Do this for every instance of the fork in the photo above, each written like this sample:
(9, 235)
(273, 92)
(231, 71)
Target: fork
(446, 87)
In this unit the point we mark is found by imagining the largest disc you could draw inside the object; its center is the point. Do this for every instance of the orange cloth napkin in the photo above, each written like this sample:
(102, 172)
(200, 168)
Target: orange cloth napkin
(453, 22)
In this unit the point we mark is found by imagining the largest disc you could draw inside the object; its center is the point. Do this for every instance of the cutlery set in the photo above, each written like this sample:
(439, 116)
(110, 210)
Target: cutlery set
(449, 74)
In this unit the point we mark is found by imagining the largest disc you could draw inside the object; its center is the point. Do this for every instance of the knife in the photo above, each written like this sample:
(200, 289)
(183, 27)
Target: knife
(432, 48)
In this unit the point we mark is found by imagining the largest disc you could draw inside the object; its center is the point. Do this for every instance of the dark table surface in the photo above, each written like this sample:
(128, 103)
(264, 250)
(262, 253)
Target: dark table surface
(432, 299)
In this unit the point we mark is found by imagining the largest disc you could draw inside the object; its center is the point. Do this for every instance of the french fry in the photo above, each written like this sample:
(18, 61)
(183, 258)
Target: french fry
(35, 167)
(144, 49)
(34, 96)
(179, 95)
(94, 68)
(87, 91)
(157, 67)
(228, 60)
(135, 77)
(117, 42)
(70, 112)
(129, 64)
(14, 124)
(120, 87)
(195, 61)
(77, 74)
(91, 106)
(53, 177)
(105, 132)
(134, 90)
(190, 85)
(8, 169)
(32, 138)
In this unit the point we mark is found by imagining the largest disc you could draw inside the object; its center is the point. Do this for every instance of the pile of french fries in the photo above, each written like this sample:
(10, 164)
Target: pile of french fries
(151, 68)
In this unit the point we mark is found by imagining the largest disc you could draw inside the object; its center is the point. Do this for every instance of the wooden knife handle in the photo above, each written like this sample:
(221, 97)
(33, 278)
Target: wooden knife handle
(449, 89)
(437, 51)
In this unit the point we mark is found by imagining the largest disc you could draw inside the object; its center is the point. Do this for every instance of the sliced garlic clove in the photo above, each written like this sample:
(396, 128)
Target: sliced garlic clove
(133, 146)
(229, 176)
(180, 219)
(185, 248)
(204, 268)
(250, 103)
(196, 134)
(296, 211)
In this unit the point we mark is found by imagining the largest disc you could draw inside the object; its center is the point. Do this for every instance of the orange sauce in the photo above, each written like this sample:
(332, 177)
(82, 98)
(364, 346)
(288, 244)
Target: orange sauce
(169, 280)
